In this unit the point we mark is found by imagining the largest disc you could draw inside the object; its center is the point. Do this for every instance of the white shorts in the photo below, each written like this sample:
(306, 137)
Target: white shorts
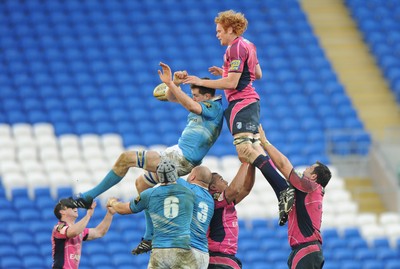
(175, 154)
(202, 258)
(167, 258)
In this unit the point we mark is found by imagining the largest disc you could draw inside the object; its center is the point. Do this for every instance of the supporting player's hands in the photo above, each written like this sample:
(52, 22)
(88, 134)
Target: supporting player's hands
(111, 201)
(193, 80)
(90, 211)
(215, 70)
(111, 210)
(179, 76)
(263, 137)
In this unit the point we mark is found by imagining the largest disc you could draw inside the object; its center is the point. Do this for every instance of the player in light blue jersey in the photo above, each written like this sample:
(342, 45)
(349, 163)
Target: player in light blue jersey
(198, 181)
(203, 127)
(171, 210)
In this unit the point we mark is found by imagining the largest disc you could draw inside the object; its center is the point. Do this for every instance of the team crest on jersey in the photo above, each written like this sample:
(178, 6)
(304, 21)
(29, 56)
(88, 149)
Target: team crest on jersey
(60, 226)
(235, 64)
(137, 200)
(239, 125)
(216, 195)
(207, 104)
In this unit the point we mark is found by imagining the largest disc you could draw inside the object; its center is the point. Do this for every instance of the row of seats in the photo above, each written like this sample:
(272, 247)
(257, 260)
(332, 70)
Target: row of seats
(29, 246)
(379, 25)
(83, 74)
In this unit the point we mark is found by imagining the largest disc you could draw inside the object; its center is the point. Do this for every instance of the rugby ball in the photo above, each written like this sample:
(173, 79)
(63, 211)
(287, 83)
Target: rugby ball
(160, 92)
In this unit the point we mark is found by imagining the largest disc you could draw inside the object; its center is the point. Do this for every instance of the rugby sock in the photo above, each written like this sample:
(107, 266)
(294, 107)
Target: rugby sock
(108, 181)
(277, 182)
(148, 233)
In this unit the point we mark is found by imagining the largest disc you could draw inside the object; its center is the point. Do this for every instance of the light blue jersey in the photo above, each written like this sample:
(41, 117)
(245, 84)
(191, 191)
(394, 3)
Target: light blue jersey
(201, 131)
(202, 213)
(171, 210)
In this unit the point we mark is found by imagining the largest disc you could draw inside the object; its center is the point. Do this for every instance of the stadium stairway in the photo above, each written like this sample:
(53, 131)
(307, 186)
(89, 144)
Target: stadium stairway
(362, 192)
(353, 64)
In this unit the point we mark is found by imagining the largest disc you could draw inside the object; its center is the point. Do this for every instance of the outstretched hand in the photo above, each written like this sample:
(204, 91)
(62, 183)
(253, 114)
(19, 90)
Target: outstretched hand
(215, 70)
(165, 74)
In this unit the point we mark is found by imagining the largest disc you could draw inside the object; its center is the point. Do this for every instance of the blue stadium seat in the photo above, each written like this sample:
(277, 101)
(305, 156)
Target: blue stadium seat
(42, 238)
(8, 214)
(364, 254)
(335, 244)
(331, 264)
(350, 264)
(341, 253)
(373, 264)
(386, 253)
(392, 264)
(382, 242)
(11, 261)
(63, 192)
(29, 214)
(357, 243)
(28, 249)
(276, 256)
(329, 233)
(22, 237)
(124, 259)
(100, 259)
(253, 256)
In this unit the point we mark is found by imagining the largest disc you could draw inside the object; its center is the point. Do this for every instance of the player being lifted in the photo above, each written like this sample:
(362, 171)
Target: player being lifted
(204, 124)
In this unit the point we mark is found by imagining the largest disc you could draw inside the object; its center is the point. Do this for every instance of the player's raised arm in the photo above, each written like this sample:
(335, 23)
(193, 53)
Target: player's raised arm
(166, 77)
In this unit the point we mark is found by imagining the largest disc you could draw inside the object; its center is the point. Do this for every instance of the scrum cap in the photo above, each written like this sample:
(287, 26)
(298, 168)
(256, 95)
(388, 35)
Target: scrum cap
(166, 171)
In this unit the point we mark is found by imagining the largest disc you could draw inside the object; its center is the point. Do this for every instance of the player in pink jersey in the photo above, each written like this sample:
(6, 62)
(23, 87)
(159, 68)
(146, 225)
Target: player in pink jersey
(224, 228)
(305, 217)
(67, 236)
(240, 69)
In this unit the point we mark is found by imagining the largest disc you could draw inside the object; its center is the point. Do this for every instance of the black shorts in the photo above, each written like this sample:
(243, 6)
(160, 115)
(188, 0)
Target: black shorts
(243, 116)
(223, 261)
(306, 256)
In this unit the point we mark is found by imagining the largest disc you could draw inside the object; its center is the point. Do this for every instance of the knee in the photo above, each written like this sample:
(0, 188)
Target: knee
(122, 161)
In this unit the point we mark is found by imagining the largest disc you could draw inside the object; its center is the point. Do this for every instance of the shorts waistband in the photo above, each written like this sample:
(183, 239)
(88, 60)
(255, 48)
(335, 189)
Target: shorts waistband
(302, 245)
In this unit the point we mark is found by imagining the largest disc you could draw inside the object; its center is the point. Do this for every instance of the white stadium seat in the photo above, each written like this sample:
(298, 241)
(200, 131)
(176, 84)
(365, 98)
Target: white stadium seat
(212, 162)
(10, 166)
(43, 129)
(68, 141)
(27, 154)
(7, 153)
(25, 141)
(5, 131)
(32, 166)
(49, 153)
(22, 130)
(366, 219)
(90, 140)
(71, 153)
(111, 140)
(388, 218)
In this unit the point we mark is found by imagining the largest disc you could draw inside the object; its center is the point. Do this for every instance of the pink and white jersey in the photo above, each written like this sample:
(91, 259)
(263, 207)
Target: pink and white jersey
(66, 251)
(224, 229)
(306, 215)
(241, 57)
